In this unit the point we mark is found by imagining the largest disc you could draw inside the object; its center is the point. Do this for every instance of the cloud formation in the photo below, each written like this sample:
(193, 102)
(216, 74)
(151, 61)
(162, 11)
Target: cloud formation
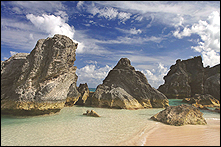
(165, 11)
(155, 75)
(92, 74)
(209, 32)
(133, 31)
(53, 24)
(109, 13)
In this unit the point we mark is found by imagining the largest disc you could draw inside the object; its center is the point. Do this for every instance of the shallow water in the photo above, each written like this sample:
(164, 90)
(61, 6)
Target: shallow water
(70, 127)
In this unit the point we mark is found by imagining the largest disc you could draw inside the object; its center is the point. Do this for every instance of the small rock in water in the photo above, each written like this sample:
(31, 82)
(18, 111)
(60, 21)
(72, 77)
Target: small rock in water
(92, 113)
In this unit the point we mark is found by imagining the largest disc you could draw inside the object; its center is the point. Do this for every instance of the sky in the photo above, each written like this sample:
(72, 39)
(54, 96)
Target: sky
(151, 34)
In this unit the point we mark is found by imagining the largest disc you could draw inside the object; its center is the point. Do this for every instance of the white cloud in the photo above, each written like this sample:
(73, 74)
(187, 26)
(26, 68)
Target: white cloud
(62, 14)
(19, 35)
(31, 36)
(209, 32)
(155, 75)
(36, 7)
(92, 62)
(13, 53)
(52, 24)
(139, 18)
(133, 31)
(108, 13)
(123, 16)
(89, 45)
(80, 5)
(165, 12)
(132, 40)
(92, 74)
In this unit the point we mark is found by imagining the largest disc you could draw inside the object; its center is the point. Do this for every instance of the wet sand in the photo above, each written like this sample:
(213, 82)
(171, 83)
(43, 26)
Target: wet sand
(187, 135)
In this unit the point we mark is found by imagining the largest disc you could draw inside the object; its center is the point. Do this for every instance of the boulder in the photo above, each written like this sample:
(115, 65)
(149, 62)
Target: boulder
(126, 88)
(189, 77)
(92, 113)
(180, 115)
(40, 82)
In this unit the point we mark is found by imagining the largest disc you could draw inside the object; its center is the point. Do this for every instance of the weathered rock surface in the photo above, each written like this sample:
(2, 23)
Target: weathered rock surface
(84, 91)
(89, 100)
(189, 77)
(212, 86)
(42, 80)
(200, 100)
(92, 113)
(180, 115)
(126, 88)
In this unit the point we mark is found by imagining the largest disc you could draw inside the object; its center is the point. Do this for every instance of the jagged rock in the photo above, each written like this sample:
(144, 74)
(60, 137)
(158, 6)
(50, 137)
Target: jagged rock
(84, 90)
(126, 88)
(189, 77)
(92, 113)
(201, 107)
(180, 115)
(42, 80)
(200, 100)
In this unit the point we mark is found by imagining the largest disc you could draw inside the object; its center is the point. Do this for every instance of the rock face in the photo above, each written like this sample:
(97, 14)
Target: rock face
(180, 115)
(126, 88)
(189, 77)
(42, 80)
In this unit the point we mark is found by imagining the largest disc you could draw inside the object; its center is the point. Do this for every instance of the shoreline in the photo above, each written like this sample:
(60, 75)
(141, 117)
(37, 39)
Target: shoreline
(188, 135)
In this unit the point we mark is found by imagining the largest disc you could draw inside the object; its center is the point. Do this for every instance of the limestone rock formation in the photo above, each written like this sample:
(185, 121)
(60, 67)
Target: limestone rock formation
(200, 100)
(89, 100)
(84, 90)
(41, 81)
(92, 113)
(180, 115)
(189, 77)
(126, 88)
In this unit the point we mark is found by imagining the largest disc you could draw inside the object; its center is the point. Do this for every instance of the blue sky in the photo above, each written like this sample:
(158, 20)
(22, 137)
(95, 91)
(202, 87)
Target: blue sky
(152, 34)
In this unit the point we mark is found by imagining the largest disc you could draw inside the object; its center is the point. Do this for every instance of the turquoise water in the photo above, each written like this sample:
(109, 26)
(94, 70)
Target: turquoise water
(175, 102)
(92, 89)
(70, 127)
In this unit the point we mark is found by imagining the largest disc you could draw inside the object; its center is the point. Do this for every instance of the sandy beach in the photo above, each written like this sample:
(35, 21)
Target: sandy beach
(187, 135)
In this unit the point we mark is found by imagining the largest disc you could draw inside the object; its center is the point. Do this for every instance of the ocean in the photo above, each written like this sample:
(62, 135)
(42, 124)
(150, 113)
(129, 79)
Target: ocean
(70, 127)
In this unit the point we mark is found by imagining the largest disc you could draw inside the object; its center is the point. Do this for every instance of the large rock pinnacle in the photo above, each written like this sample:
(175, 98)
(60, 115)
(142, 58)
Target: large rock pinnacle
(126, 88)
(42, 80)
